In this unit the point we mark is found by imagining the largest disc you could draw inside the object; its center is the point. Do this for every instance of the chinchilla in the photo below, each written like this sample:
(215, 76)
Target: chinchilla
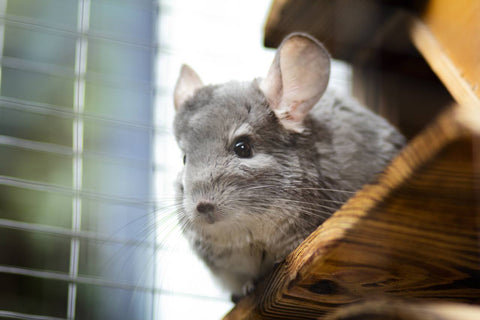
(267, 161)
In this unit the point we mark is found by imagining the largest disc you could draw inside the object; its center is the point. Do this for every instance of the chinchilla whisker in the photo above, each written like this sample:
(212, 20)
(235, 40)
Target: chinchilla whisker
(313, 204)
(157, 201)
(164, 236)
(158, 228)
(137, 244)
(301, 222)
(141, 236)
(291, 204)
(274, 194)
(166, 219)
(167, 254)
(306, 211)
(267, 186)
(167, 214)
(186, 225)
(326, 189)
(309, 204)
(131, 222)
(310, 211)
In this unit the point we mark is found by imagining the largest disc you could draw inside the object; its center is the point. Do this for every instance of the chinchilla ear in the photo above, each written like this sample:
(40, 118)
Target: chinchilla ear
(187, 83)
(296, 79)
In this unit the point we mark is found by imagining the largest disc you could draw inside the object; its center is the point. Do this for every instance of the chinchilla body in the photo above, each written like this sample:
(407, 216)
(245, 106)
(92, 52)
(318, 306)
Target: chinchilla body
(265, 165)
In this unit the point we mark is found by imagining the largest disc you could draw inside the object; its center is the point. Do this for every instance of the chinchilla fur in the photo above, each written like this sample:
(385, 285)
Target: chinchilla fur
(266, 162)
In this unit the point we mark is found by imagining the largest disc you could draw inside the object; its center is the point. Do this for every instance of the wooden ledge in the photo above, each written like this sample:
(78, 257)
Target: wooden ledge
(458, 76)
(397, 310)
(448, 39)
(413, 234)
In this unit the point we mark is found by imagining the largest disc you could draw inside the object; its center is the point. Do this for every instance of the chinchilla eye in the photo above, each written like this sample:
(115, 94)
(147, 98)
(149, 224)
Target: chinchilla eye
(242, 148)
(184, 159)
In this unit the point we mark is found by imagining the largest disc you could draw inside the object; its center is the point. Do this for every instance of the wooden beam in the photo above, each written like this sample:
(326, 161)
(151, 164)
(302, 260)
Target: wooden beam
(398, 310)
(458, 76)
(341, 25)
(449, 39)
(414, 234)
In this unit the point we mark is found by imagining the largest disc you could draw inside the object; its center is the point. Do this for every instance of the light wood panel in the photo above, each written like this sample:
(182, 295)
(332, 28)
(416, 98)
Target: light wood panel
(397, 310)
(458, 77)
(456, 28)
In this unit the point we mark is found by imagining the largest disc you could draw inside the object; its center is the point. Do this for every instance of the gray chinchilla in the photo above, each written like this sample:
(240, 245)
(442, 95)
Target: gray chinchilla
(266, 162)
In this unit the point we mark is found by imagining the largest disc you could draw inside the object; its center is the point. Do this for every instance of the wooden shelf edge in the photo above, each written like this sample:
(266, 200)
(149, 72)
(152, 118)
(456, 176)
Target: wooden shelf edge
(435, 55)
(401, 310)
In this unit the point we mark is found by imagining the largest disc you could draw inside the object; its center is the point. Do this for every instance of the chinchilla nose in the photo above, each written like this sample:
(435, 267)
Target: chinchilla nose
(205, 207)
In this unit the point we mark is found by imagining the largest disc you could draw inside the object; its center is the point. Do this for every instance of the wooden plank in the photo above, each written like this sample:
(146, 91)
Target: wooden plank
(414, 234)
(398, 310)
(460, 77)
(341, 25)
(456, 27)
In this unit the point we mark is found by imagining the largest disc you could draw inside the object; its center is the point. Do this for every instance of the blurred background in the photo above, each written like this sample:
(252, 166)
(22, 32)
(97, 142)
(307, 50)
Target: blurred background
(87, 156)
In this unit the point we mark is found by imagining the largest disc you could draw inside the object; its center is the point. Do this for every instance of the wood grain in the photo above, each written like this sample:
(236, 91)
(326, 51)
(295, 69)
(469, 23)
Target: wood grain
(413, 234)
(398, 310)
(456, 27)
(460, 77)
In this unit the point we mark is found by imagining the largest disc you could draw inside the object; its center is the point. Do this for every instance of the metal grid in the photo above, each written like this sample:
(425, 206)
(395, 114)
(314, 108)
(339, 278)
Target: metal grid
(64, 80)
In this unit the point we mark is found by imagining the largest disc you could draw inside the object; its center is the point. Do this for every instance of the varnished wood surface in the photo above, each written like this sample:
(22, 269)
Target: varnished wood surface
(398, 310)
(456, 27)
(457, 75)
(414, 234)
(341, 25)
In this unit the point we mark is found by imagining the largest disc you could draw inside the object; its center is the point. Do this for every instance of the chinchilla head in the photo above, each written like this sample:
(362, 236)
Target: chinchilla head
(250, 165)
